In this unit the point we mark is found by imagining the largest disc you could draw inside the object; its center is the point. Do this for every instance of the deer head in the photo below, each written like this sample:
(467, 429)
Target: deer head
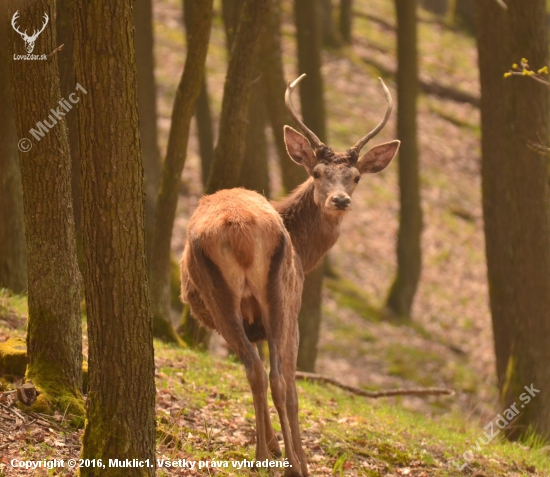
(335, 175)
(29, 40)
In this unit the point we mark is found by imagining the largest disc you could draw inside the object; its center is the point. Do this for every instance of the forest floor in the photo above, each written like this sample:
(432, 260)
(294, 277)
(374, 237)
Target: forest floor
(204, 405)
(205, 414)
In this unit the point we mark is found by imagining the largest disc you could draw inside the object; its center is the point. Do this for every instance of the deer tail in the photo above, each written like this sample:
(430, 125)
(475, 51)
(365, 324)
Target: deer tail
(241, 240)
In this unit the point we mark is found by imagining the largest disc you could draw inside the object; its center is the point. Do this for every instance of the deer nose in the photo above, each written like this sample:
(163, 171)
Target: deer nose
(341, 201)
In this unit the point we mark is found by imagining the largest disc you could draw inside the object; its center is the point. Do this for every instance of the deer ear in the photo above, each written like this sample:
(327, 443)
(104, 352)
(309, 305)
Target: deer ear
(299, 149)
(378, 157)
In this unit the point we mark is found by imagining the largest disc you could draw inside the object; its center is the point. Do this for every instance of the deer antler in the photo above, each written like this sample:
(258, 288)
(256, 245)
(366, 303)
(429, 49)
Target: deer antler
(35, 33)
(14, 25)
(359, 144)
(313, 139)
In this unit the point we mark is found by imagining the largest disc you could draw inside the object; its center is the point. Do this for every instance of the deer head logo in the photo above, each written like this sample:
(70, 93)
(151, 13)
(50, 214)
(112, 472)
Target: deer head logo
(29, 40)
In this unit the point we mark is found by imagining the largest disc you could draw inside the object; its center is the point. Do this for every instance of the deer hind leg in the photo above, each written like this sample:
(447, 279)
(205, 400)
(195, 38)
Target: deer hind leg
(227, 318)
(276, 331)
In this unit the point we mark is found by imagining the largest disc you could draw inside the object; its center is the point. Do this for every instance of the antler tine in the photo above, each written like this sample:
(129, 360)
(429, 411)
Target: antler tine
(313, 139)
(359, 145)
(36, 33)
(14, 20)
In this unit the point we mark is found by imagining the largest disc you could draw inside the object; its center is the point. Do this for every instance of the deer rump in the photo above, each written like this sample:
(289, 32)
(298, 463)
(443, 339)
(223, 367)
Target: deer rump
(237, 263)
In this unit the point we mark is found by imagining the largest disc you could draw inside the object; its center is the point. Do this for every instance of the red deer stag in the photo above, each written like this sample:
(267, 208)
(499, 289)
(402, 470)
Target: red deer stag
(245, 259)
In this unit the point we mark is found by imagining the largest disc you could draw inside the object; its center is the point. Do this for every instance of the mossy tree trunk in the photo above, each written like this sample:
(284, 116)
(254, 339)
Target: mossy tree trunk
(516, 202)
(313, 113)
(54, 332)
(409, 260)
(13, 252)
(121, 390)
(229, 152)
(184, 106)
(274, 84)
(346, 17)
(147, 107)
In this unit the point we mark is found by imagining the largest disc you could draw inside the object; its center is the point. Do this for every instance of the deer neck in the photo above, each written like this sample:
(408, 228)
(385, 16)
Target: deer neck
(312, 232)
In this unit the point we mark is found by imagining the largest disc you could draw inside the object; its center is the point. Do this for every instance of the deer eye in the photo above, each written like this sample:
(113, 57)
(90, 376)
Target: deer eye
(316, 175)
(357, 179)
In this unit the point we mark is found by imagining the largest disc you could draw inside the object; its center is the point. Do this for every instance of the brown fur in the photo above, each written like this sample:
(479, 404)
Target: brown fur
(243, 271)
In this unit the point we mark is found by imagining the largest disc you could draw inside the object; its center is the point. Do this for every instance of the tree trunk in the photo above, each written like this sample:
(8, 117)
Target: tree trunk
(205, 129)
(309, 61)
(65, 37)
(409, 260)
(329, 35)
(494, 59)
(147, 108)
(54, 332)
(203, 115)
(229, 152)
(309, 319)
(13, 253)
(184, 106)
(121, 394)
(515, 205)
(255, 172)
(273, 78)
(346, 15)
(231, 11)
(313, 113)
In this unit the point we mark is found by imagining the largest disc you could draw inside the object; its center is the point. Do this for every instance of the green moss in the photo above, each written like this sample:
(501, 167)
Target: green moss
(175, 286)
(13, 357)
(54, 393)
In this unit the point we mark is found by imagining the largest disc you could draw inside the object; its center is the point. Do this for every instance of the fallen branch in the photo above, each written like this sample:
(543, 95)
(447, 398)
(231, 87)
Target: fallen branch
(373, 394)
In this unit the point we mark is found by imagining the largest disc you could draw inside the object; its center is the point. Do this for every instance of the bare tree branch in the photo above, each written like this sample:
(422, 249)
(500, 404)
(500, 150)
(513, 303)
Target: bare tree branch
(373, 394)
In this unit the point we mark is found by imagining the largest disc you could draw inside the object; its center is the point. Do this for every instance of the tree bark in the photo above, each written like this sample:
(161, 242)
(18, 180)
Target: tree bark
(309, 61)
(274, 84)
(346, 16)
(255, 171)
(228, 155)
(409, 260)
(13, 252)
(147, 108)
(516, 205)
(309, 320)
(65, 37)
(205, 130)
(495, 59)
(121, 394)
(203, 114)
(313, 114)
(54, 333)
(184, 106)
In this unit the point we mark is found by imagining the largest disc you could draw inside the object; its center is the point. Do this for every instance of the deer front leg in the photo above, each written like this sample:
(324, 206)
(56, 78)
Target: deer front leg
(289, 370)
